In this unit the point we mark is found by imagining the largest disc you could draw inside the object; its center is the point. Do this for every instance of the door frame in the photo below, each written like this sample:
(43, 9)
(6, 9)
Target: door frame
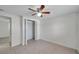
(24, 32)
(26, 27)
(33, 29)
(9, 18)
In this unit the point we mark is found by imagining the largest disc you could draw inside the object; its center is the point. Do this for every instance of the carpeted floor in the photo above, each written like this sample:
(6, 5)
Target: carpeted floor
(38, 47)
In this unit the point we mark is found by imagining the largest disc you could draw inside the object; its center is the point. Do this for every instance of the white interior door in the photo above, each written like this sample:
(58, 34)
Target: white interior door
(30, 30)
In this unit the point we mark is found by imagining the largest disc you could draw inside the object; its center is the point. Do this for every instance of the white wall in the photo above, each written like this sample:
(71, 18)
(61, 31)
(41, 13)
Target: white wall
(78, 31)
(15, 29)
(60, 30)
(4, 27)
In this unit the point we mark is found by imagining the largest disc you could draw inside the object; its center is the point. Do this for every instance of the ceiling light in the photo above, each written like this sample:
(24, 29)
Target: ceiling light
(39, 14)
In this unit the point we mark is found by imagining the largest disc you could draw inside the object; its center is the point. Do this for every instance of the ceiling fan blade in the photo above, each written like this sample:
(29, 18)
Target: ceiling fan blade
(38, 10)
(45, 12)
(32, 9)
(42, 7)
(34, 14)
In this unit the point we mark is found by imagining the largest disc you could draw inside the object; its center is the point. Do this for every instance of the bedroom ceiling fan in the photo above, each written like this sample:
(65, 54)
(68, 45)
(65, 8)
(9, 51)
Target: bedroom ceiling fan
(39, 11)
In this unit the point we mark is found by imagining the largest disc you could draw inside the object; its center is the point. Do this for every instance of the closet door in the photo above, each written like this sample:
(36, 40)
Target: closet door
(30, 30)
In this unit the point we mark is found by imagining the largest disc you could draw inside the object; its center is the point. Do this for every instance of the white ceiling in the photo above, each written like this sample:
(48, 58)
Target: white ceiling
(55, 10)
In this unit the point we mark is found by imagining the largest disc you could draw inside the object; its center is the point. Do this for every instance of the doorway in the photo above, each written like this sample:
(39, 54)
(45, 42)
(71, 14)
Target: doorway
(35, 34)
(30, 30)
(5, 32)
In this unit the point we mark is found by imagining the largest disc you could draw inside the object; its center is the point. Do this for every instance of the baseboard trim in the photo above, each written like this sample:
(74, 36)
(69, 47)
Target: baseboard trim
(61, 45)
(77, 51)
(4, 37)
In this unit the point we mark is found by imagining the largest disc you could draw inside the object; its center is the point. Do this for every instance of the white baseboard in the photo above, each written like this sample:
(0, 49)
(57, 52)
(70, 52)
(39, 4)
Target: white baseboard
(4, 37)
(59, 44)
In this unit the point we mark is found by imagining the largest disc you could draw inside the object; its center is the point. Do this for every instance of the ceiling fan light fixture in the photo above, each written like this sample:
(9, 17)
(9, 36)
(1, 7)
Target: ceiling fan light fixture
(39, 14)
(39, 11)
